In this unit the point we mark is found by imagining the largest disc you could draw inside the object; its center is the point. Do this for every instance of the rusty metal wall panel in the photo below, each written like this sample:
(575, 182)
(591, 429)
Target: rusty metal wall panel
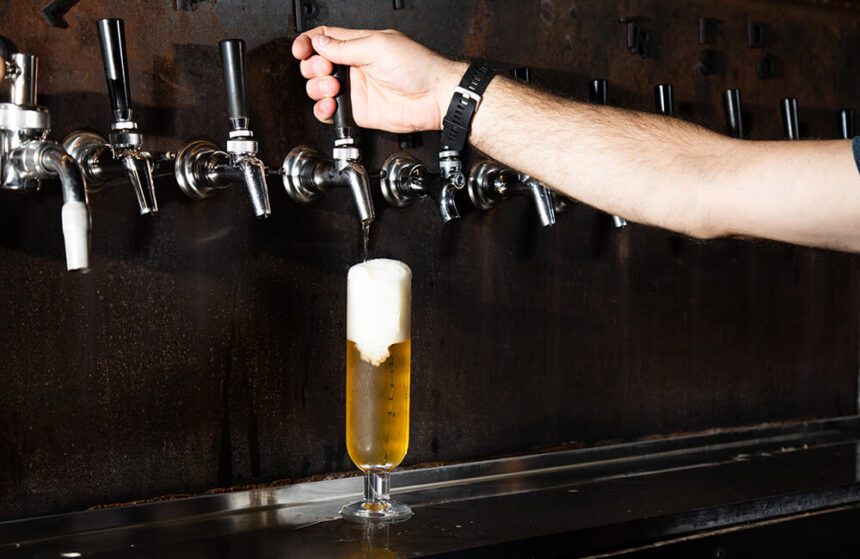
(206, 350)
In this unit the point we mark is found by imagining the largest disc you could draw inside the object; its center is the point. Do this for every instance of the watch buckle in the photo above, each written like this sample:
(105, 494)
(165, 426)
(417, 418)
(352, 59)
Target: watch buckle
(469, 95)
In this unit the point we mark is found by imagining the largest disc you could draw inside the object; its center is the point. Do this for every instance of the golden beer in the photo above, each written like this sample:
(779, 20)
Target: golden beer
(377, 408)
(378, 350)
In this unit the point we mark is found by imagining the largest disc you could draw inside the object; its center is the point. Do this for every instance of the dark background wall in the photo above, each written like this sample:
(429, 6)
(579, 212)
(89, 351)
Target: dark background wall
(206, 350)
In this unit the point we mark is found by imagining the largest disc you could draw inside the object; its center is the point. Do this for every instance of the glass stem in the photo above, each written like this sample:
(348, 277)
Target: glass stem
(377, 487)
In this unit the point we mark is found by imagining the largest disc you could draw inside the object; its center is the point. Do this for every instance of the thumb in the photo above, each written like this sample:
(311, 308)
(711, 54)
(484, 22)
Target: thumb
(350, 52)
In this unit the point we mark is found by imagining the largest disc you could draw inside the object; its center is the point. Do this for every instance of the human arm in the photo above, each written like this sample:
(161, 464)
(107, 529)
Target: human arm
(673, 174)
(649, 168)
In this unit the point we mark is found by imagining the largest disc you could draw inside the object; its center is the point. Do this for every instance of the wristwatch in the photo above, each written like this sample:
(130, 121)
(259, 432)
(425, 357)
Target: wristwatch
(464, 103)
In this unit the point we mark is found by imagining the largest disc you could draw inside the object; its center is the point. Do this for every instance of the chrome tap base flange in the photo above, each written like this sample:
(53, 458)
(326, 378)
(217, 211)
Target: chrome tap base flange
(82, 146)
(189, 169)
(297, 172)
(481, 186)
(396, 173)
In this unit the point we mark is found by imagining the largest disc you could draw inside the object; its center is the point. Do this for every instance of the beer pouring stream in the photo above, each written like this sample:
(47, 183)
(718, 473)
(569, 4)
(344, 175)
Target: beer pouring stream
(345, 138)
(308, 175)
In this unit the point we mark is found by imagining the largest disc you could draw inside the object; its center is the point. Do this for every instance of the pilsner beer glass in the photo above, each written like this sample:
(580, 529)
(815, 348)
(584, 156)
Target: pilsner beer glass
(379, 301)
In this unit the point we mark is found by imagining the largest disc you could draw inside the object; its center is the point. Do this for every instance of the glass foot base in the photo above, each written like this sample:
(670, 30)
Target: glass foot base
(383, 510)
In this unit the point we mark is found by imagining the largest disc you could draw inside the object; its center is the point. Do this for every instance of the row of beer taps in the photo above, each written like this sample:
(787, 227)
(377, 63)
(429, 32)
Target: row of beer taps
(86, 161)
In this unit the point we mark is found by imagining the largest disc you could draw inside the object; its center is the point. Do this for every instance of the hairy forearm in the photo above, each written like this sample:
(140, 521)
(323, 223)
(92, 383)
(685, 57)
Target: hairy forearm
(669, 173)
(800, 192)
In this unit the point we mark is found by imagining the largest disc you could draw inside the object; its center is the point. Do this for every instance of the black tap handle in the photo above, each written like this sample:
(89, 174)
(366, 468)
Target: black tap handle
(665, 99)
(112, 39)
(233, 63)
(343, 114)
(789, 118)
(734, 115)
(846, 124)
(598, 92)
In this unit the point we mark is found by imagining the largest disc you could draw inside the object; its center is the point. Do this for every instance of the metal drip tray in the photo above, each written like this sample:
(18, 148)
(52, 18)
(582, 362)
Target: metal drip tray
(578, 502)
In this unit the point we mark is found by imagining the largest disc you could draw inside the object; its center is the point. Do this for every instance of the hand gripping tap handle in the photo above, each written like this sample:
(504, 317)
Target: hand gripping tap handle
(343, 114)
(354, 173)
(233, 62)
(112, 39)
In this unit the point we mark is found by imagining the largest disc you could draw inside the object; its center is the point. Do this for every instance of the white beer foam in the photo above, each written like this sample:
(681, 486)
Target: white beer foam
(378, 307)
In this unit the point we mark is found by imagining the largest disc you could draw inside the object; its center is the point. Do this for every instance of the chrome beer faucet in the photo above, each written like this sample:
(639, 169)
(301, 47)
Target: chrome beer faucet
(27, 157)
(122, 155)
(307, 174)
(490, 183)
(202, 169)
(405, 180)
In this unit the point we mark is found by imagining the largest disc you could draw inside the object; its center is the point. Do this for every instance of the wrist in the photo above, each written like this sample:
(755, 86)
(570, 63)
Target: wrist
(447, 80)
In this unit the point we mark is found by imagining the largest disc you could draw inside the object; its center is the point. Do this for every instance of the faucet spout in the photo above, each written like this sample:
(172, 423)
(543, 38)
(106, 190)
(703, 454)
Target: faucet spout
(75, 213)
(254, 177)
(307, 175)
(357, 179)
(121, 154)
(544, 203)
(445, 201)
(491, 182)
(138, 166)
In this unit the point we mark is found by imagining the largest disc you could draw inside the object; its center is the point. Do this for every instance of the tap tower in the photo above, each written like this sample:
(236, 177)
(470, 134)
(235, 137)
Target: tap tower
(122, 154)
(308, 175)
(27, 157)
(202, 169)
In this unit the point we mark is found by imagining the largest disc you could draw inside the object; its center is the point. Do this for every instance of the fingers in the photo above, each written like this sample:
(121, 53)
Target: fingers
(315, 67)
(350, 52)
(319, 49)
(341, 33)
(324, 109)
(303, 47)
(320, 88)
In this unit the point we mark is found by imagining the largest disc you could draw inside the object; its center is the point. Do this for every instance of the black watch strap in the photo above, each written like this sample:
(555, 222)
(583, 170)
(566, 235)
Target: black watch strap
(464, 103)
(855, 145)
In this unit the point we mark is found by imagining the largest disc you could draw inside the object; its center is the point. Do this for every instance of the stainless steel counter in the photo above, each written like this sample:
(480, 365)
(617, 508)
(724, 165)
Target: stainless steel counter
(598, 500)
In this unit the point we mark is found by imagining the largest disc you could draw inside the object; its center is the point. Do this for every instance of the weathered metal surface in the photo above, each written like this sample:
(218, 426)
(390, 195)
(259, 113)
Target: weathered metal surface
(206, 350)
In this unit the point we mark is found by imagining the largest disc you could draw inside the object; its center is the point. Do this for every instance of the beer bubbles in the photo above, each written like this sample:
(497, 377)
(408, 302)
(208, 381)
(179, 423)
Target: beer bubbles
(378, 354)
(379, 303)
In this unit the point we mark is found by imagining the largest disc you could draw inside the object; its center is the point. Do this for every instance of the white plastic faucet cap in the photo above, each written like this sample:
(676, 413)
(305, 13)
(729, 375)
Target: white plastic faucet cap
(378, 307)
(76, 232)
